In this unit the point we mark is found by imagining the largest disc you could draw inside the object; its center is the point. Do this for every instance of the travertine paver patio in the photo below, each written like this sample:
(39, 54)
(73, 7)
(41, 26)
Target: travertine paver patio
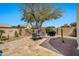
(25, 47)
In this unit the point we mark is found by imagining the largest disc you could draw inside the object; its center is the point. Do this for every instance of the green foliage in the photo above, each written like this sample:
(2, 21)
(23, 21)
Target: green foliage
(13, 26)
(1, 42)
(73, 24)
(49, 28)
(1, 32)
(18, 26)
(20, 31)
(16, 34)
(3, 38)
(35, 14)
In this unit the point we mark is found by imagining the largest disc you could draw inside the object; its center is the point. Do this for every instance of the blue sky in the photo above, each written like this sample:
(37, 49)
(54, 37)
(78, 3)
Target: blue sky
(10, 14)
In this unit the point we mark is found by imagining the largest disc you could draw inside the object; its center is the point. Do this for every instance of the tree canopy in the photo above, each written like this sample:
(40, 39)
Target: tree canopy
(73, 24)
(37, 13)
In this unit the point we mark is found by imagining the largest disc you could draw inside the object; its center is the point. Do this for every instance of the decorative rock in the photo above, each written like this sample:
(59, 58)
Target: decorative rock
(5, 49)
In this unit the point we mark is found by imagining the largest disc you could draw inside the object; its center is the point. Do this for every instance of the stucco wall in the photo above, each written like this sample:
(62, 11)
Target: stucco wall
(9, 32)
(78, 25)
(66, 31)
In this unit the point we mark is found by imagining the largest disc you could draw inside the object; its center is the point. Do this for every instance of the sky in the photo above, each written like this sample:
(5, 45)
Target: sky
(10, 14)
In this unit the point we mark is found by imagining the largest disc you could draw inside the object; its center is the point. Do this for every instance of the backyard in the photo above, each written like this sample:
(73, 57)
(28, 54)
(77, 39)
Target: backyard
(45, 31)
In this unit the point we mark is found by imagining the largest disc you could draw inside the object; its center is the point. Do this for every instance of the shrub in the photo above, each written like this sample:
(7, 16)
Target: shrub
(51, 33)
(1, 32)
(73, 24)
(18, 26)
(16, 34)
(13, 26)
(49, 28)
(1, 42)
(3, 38)
(20, 31)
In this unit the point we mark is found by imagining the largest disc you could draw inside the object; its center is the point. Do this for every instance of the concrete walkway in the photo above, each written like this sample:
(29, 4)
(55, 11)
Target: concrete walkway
(47, 45)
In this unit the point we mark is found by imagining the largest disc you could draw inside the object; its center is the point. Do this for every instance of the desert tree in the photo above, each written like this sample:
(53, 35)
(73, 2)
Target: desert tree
(16, 34)
(37, 13)
(73, 24)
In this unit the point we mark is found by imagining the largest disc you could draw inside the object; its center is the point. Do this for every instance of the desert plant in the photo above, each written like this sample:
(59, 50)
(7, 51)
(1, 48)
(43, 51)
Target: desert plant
(49, 28)
(13, 26)
(18, 26)
(62, 34)
(73, 24)
(3, 38)
(37, 14)
(16, 34)
(20, 31)
(1, 32)
(1, 42)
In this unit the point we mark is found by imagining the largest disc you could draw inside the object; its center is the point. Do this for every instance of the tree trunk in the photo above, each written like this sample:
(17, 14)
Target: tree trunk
(38, 27)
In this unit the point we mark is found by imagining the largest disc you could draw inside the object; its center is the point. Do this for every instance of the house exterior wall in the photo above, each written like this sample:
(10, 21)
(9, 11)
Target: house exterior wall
(78, 26)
